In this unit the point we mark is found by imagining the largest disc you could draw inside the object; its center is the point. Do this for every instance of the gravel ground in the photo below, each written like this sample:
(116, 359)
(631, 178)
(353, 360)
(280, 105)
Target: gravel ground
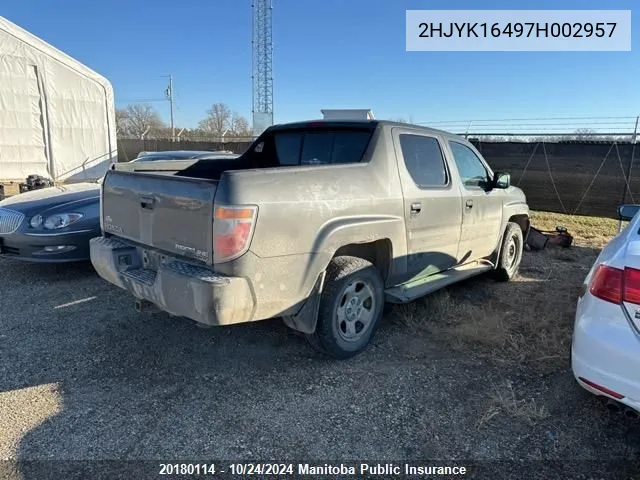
(85, 377)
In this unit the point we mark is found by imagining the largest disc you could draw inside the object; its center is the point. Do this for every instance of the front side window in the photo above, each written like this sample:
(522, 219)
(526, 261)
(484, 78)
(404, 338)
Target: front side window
(472, 171)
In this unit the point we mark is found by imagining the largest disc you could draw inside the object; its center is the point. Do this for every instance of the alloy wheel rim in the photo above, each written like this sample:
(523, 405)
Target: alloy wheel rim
(356, 309)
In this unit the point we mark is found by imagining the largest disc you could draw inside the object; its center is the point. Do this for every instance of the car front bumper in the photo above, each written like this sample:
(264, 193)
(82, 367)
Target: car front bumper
(605, 351)
(179, 288)
(59, 247)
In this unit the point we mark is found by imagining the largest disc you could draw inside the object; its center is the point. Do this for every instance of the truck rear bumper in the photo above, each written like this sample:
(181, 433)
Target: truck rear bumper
(177, 287)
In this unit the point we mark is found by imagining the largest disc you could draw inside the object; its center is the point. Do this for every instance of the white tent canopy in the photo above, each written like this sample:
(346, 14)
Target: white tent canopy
(57, 117)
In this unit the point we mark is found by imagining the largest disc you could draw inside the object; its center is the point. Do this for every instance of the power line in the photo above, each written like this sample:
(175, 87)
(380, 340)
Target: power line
(537, 134)
(141, 100)
(567, 132)
(525, 119)
(559, 124)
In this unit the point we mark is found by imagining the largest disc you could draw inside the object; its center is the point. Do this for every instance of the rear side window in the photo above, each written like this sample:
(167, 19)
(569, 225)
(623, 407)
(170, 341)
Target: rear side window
(424, 160)
(288, 146)
(322, 147)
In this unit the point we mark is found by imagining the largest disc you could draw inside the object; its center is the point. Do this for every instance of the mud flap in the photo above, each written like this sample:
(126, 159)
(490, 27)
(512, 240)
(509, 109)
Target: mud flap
(307, 317)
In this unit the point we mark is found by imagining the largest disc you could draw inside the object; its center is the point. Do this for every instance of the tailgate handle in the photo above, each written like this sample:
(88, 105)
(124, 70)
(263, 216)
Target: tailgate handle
(147, 202)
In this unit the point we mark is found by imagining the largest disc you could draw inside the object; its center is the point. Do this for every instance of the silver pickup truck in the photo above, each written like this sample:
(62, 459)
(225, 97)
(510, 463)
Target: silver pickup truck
(319, 223)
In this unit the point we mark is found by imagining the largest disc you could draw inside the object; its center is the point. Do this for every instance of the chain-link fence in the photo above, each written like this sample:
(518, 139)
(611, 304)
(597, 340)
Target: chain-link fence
(575, 177)
(128, 149)
(578, 178)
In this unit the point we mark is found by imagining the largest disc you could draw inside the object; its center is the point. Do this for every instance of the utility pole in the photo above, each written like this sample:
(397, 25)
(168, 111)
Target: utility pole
(169, 94)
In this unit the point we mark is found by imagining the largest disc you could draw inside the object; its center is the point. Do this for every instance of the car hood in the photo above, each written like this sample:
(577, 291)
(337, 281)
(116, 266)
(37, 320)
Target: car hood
(36, 201)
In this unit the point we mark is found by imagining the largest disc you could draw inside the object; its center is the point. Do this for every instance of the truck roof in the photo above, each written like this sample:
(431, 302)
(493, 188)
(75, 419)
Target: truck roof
(363, 123)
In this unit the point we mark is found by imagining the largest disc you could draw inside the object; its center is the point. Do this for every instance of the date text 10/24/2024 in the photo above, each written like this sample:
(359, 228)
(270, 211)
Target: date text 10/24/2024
(518, 30)
(301, 469)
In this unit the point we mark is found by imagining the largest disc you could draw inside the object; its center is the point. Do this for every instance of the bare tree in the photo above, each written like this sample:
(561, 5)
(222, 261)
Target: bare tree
(121, 122)
(135, 119)
(584, 134)
(217, 120)
(239, 126)
(403, 119)
(142, 117)
(221, 122)
(195, 134)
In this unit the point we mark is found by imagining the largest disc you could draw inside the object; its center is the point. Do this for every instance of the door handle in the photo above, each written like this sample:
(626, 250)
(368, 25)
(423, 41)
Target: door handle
(469, 204)
(147, 202)
(416, 208)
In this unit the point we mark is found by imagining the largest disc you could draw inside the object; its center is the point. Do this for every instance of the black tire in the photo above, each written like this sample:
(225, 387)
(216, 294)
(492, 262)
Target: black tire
(351, 307)
(510, 253)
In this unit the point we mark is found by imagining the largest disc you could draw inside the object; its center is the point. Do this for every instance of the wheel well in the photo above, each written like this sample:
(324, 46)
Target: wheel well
(379, 253)
(523, 221)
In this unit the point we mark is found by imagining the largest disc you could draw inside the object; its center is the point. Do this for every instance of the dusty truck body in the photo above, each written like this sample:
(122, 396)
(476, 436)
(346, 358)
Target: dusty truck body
(319, 223)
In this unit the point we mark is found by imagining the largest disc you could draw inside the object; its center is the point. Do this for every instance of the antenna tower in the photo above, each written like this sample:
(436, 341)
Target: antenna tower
(262, 76)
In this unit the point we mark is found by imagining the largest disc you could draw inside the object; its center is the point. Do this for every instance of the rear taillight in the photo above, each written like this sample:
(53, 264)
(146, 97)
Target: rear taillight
(232, 230)
(631, 286)
(615, 285)
(607, 284)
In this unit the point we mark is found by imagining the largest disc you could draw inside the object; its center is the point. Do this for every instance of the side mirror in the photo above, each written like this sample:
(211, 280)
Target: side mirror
(501, 180)
(627, 212)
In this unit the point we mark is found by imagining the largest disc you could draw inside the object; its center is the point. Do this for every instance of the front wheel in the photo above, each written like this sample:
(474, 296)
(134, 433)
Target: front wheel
(510, 253)
(350, 307)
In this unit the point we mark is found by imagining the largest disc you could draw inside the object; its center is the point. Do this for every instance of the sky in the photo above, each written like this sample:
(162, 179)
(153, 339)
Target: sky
(330, 54)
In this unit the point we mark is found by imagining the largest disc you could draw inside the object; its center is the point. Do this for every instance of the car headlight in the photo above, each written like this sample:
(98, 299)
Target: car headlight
(36, 221)
(61, 220)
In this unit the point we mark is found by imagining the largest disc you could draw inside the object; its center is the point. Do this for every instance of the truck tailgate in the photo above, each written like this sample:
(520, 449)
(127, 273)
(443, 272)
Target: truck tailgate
(173, 214)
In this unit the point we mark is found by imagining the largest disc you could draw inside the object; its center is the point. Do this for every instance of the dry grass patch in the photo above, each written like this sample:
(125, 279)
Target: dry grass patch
(503, 400)
(525, 326)
(461, 320)
(586, 231)
(526, 321)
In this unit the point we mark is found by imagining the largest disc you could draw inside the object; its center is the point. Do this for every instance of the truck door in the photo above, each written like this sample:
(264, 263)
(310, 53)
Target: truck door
(482, 208)
(432, 206)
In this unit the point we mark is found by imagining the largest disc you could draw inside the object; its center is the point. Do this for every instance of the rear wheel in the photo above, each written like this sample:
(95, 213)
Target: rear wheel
(350, 307)
(510, 253)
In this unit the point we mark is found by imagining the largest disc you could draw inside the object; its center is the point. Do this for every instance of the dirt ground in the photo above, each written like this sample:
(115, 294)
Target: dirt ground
(477, 375)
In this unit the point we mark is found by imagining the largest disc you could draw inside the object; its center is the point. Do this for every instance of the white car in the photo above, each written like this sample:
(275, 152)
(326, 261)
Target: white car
(605, 349)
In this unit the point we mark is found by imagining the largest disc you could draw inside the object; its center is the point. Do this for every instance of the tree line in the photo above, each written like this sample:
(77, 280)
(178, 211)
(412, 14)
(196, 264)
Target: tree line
(141, 120)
